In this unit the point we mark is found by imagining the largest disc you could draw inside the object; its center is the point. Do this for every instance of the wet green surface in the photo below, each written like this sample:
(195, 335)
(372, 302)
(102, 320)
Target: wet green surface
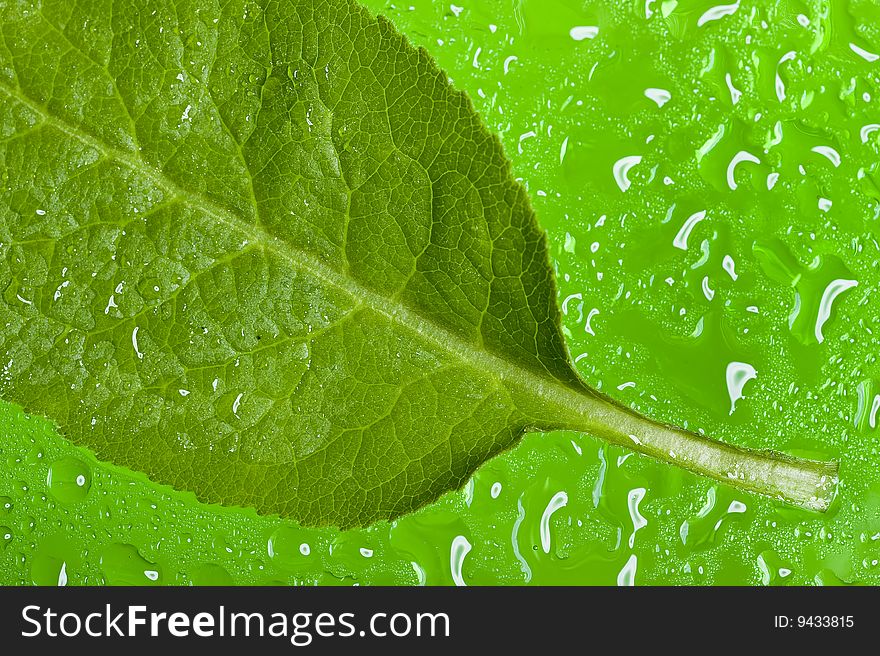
(699, 285)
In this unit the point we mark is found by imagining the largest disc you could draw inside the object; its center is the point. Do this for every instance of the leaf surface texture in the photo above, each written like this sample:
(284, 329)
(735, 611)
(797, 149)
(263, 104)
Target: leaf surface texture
(264, 252)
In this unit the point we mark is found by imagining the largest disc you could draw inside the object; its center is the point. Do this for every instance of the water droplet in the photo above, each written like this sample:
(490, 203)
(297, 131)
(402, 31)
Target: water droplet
(741, 156)
(6, 536)
(285, 547)
(582, 32)
(48, 570)
(717, 13)
(659, 96)
(122, 564)
(829, 153)
(621, 169)
(134, 342)
(69, 480)
(834, 289)
(627, 575)
(865, 131)
(460, 548)
(634, 498)
(559, 500)
(773, 568)
(867, 405)
(738, 374)
(681, 238)
(864, 54)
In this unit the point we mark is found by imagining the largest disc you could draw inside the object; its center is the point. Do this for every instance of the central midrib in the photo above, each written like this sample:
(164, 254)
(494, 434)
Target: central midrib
(547, 388)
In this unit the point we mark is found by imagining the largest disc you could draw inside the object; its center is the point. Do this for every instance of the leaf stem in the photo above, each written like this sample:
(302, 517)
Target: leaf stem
(809, 484)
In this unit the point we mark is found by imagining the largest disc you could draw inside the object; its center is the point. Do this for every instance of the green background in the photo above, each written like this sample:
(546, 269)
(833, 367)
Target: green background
(653, 325)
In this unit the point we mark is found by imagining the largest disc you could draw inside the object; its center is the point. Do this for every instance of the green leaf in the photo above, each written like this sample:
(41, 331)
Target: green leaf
(265, 252)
